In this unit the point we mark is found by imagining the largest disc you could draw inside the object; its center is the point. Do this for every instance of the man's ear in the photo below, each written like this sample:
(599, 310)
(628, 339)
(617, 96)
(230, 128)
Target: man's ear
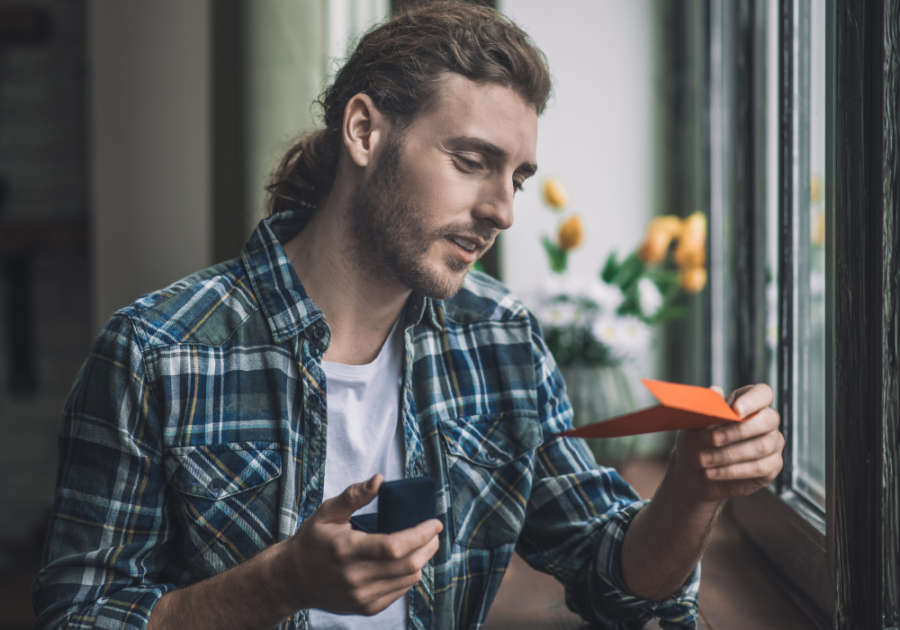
(364, 130)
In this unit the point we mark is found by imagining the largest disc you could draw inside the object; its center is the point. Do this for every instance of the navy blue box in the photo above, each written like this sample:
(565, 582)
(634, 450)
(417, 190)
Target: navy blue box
(402, 504)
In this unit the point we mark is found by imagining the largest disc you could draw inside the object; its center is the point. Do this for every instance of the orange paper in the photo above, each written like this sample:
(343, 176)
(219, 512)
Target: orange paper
(681, 407)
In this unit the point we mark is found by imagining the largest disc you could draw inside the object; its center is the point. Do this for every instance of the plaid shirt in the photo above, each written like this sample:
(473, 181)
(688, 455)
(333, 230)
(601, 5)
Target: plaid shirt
(195, 436)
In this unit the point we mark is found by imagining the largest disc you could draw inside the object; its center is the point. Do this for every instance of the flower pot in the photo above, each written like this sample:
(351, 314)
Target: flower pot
(603, 392)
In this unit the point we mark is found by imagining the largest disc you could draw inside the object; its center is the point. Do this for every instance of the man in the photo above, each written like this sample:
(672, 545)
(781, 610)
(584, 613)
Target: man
(224, 429)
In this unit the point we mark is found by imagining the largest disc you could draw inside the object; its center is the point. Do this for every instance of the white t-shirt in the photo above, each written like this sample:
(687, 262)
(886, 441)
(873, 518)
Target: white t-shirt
(365, 437)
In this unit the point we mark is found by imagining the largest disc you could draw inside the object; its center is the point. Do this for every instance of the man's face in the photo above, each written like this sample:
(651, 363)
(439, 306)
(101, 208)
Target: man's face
(443, 188)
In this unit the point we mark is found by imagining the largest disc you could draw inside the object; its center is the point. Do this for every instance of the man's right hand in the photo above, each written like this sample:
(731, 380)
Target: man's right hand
(325, 565)
(329, 566)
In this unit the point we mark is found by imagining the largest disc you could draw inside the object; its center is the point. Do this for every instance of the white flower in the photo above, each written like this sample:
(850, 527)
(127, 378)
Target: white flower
(608, 297)
(550, 287)
(570, 284)
(649, 297)
(625, 336)
(559, 314)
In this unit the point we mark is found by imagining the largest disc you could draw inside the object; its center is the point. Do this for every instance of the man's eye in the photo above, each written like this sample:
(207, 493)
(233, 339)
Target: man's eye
(518, 186)
(471, 164)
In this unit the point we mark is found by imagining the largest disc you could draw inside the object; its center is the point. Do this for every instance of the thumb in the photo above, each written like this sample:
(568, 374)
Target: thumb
(341, 508)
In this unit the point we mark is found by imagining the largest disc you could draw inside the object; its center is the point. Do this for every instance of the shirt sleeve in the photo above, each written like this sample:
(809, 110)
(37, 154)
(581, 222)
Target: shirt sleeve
(109, 529)
(577, 516)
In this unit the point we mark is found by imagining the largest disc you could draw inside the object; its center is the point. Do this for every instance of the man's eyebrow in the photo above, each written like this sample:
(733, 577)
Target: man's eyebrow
(529, 168)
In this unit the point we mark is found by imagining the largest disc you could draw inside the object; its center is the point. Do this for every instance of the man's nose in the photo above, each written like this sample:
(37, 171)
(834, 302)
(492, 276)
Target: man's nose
(497, 207)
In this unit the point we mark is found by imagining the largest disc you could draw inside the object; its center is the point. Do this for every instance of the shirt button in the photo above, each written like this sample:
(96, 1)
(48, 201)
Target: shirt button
(215, 486)
(315, 401)
(318, 333)
(314, 496)
(492, 456)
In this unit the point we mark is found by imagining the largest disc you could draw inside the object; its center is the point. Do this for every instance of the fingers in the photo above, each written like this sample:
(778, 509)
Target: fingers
(749, 399)
(737, 393)
(409, 564)
(763, 422)
(387, 547)
(375, 584)
(718, 390)
(756, 448)
(341, 508)
(369, 592)
(765, 470)
(383, 601)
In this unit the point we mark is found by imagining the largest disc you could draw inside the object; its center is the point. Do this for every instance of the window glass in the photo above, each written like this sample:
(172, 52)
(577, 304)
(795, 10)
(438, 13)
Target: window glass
(769, 123)
(808, 380)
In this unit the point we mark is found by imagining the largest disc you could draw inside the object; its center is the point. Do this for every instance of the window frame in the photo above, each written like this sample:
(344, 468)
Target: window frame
(841, 565)
(789, 532)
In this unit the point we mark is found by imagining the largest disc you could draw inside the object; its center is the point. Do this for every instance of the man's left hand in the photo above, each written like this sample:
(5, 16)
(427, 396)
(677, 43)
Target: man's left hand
(734, 459)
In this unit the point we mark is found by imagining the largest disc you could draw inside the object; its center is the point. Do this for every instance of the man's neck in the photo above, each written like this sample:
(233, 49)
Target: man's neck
(359, 309)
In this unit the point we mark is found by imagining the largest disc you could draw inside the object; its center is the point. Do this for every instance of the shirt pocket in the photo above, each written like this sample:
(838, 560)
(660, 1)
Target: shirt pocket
(489, 469)
(227, 503)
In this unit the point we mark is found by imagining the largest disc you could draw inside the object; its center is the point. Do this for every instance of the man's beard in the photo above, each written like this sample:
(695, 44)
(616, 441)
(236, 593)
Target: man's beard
(390, 238)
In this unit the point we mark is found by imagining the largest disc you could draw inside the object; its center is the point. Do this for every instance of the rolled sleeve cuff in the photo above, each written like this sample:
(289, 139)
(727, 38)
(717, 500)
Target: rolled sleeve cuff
(618, 603)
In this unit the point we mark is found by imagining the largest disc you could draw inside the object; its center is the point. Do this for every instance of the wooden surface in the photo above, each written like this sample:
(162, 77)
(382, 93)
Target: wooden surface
(890, 316)
(866, 296)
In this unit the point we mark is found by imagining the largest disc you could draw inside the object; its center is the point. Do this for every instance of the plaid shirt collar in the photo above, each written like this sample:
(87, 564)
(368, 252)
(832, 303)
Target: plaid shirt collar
(287, 307)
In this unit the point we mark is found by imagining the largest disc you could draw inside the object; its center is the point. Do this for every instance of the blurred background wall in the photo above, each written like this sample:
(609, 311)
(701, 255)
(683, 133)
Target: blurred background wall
(150, 106)
(135, 140)
(192, 104)
(45, 273)
(598, 134)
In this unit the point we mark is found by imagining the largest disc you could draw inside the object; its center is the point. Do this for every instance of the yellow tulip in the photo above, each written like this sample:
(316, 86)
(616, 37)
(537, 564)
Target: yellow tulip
(655, 247)
(691, 250)
(660, 232)
(815, 189)
(818, 230)
(571, 233)
(670, 224)
(693, 279)
(555, 194)
(686, 257)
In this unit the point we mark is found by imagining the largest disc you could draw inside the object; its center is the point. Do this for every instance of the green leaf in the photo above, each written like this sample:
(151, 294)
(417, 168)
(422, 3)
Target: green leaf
(558, 258)
(610, 269)
(666, 281)
(630, 271)
(576, 345)
(670, 312)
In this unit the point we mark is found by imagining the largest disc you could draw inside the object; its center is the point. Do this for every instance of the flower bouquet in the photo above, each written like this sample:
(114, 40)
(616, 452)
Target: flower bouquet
(593, 323)
(604, 319)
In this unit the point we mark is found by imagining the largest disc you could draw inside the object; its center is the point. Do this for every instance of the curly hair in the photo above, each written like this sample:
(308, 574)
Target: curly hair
(398, 65)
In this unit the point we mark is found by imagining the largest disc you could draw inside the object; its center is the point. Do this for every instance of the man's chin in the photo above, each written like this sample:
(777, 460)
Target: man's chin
(437, 284)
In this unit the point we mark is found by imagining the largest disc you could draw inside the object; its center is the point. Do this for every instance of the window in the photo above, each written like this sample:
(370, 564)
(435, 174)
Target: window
(804, 172)
(808, 276)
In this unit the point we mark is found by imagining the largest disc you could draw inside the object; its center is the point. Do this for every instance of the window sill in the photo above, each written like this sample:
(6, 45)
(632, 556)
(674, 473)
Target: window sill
(736, 590)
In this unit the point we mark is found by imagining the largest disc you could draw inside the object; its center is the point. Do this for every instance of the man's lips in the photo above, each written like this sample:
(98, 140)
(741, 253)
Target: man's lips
(466, 255)
(479, 243)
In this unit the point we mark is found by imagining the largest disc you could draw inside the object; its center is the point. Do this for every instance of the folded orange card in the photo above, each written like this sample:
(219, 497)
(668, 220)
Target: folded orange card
(681, 407)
